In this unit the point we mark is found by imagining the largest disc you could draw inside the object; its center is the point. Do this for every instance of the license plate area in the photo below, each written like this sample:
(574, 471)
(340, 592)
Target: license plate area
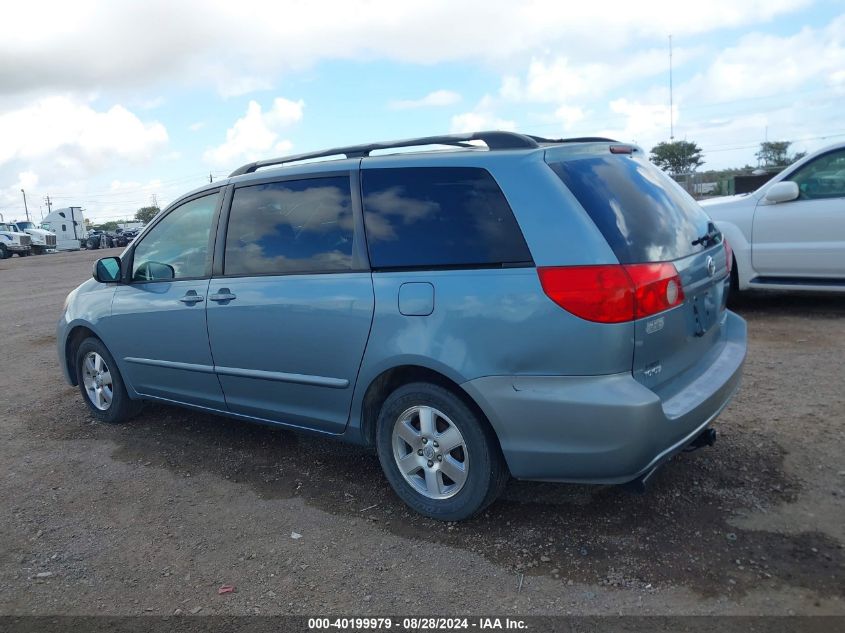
(705, 311)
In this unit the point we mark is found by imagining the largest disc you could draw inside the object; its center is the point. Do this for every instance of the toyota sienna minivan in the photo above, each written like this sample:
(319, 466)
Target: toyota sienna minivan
(511, 306)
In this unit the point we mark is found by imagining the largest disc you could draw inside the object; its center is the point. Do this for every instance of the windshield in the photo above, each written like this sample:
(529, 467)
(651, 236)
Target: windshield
(25, 225)
(6, 227)
(46, 226)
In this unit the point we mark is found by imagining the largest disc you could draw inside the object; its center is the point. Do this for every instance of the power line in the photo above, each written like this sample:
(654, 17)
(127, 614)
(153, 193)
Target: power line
(600, 120)
(796, 140)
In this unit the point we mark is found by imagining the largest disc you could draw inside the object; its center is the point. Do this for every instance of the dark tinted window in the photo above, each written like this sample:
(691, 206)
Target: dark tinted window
(643, 214)
(432, 216)
(289, 227)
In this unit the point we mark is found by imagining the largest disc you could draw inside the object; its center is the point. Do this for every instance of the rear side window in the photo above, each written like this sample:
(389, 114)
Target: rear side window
(295, 226)
(643, 214)
(439, 217)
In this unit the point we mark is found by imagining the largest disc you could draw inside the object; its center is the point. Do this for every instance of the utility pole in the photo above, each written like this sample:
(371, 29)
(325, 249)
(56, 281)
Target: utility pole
(210, 179)
(154, 200)
(671, 106)
(49, 204)
(25, 208)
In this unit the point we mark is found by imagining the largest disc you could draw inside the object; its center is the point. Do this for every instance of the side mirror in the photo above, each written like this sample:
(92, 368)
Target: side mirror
(107, 270)
(782, 191)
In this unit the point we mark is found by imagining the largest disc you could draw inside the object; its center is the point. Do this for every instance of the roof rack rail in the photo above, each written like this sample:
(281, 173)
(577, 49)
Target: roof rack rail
(495, 140)
(577, 139)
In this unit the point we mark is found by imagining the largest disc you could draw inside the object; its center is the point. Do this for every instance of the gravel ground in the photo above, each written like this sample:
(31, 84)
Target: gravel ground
(155, 515)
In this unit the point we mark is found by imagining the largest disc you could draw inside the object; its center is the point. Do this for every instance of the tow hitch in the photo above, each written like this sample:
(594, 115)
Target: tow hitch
(706, 438)
(639, 485)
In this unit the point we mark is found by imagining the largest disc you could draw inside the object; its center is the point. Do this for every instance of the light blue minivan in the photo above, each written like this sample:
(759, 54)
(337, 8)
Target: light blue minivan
(509, 306)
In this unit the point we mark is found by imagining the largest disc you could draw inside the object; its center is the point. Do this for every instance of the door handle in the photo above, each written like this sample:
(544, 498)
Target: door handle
(191, 297)
(223, 295)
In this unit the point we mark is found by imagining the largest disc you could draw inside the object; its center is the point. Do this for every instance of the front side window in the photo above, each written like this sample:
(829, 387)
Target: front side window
(822, 178)
(178, 246)
(439, 217)
(294, 226)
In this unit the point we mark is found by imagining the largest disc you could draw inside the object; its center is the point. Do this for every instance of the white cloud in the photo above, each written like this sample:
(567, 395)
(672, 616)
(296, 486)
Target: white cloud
(11, 198)
(761, 65)
(152, 104)
(564, 80)
(432, 99)
(569, 116)
(236, 86)
(256, 133)
(74, 45)
(643, 121)
(72, 133)
(196, 126)
(27, 180)
(480, 121)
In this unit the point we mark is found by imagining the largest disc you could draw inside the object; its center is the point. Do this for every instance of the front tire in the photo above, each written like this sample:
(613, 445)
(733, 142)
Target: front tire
(101, 384)
(438, 455)
(4, 254)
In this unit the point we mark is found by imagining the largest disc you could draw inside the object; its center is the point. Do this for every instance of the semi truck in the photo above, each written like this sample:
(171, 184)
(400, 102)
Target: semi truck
(68, 226)
(12, 241)
(42, 239)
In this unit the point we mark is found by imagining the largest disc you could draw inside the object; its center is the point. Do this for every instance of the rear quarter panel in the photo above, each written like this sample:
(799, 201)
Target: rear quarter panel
(486, 323)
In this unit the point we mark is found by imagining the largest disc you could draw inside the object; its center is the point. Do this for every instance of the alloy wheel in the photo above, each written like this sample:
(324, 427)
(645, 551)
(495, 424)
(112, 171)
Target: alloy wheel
(430, 452)
(97, 380)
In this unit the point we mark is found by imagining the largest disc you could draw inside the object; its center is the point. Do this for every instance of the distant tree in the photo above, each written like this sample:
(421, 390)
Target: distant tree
(145, 214)
(107, 226)
(776, 154)
(677, 157)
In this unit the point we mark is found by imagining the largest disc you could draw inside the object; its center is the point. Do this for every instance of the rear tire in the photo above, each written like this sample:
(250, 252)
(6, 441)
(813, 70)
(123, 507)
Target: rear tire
(101, 384)
(452, 466)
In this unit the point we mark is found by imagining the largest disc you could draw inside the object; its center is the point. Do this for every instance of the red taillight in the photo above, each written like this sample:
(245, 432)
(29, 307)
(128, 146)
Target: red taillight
(657, 287)
(613, 293)
(595, 293)
(729, 256)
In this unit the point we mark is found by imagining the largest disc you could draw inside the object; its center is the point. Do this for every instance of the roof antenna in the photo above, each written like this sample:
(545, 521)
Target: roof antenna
(671, 107)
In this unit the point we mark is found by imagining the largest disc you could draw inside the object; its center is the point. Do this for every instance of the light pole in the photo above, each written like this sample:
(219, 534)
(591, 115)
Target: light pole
(25, 208)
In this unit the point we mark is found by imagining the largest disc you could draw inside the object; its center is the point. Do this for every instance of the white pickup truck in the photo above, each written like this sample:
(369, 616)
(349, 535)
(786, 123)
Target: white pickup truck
(12, 241)
(42, 241)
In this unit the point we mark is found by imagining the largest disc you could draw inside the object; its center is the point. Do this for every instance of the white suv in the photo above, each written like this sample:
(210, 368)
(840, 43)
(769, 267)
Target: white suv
(790, 233)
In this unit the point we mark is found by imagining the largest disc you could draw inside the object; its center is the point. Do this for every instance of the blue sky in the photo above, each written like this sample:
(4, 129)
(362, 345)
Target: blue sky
(104, 105)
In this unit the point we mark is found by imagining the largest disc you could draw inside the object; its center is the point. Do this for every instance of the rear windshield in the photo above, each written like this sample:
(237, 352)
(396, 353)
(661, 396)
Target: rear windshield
(643, 214)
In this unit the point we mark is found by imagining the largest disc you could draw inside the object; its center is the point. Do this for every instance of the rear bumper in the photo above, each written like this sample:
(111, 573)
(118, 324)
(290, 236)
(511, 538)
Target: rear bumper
(607, 429)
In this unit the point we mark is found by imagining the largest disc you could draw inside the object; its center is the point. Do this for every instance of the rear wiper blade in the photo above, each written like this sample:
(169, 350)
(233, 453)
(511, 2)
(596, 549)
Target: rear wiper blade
(709, 238)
